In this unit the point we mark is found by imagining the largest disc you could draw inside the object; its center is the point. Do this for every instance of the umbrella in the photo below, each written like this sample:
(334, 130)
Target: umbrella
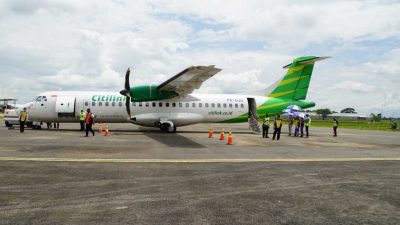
(295, 108)
(288, 112)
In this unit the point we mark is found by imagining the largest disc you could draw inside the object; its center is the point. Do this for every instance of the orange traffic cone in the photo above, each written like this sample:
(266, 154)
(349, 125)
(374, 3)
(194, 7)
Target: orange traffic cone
(222, 136)
(230, 139)
(210, 133)
(107, 132)
(101, 128)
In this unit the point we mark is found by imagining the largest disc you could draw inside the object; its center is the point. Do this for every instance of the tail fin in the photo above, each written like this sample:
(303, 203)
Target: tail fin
(294, 84)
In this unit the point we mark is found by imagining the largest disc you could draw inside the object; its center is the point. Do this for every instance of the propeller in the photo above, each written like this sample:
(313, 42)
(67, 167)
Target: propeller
(126, 92)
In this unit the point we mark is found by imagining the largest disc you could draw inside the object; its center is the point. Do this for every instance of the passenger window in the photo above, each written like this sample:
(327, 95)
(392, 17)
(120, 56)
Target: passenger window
(107, 104)
(180, 104)
(44, 99)
(218, 105)
(173, 104)
(167, 104)
(212, 105)
(241, 106)
(86, 103)
(153, 104)
(187, 104)
(120, 104)
(140, 104)
(194, 105)
(206, 105)
(224, 105)
(200, 105)
(100, 104)
(93, 103)
(236, 105)
(230, 105)
(146, 104)
(160, 104)
(113, 104)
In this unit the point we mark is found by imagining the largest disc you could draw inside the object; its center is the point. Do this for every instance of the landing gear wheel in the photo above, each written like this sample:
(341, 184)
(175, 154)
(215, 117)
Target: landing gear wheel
(171, 129)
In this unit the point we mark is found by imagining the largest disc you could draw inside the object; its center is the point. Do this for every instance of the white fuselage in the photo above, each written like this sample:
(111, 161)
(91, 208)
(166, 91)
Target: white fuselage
(109, 107)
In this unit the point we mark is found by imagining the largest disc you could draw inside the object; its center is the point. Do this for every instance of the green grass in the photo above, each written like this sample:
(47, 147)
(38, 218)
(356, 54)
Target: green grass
(352, 124)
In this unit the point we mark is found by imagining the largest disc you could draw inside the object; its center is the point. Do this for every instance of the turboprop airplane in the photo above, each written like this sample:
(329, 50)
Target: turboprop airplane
(172, 103)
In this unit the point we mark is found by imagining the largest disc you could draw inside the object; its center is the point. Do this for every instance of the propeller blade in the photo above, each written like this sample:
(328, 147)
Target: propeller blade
(127, 85)
(128, 106)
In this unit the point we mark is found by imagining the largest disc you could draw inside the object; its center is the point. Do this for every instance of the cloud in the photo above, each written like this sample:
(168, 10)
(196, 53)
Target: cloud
(354, 86)
(88, 45)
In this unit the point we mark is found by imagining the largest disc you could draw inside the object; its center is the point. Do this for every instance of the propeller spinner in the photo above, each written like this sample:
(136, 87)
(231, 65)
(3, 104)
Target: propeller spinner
(126, 92)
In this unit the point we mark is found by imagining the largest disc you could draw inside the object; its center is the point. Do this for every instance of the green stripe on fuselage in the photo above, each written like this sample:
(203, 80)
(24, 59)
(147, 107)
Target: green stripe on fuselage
(272, 106)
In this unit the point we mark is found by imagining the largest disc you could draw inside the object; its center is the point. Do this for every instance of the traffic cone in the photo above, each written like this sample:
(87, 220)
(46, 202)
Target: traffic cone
(101, 128)
(230, 139)
(210, 133)
(222, 136)
(107, 132)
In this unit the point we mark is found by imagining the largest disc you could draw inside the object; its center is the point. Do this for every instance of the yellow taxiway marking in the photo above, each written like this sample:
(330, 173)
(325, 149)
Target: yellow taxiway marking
(193, 160)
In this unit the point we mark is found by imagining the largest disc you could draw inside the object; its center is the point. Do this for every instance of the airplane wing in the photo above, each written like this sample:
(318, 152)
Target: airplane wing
(189, 79)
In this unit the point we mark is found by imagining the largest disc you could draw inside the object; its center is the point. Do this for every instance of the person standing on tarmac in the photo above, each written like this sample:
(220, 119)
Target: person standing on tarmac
(23, 116)
(290, 124)
(307, 123)
(265, 126)
(301, 126)
(89, 120)
(82, 120)
(296, 128)
(335, 126)
(277, 128)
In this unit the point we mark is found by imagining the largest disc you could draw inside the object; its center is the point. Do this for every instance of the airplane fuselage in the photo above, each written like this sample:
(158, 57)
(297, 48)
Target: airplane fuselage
(109, 107)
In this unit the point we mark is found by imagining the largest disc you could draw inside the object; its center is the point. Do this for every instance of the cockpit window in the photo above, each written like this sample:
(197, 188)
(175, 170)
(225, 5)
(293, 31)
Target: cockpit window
(38, 99)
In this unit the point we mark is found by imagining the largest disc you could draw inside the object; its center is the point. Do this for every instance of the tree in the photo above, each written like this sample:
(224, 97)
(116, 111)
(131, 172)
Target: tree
(348, 110)
(376, 117)
(323, 112)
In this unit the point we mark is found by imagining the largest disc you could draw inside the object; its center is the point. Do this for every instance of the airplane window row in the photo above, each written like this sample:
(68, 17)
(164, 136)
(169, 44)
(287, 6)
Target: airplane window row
(187, 104)
(173, 104)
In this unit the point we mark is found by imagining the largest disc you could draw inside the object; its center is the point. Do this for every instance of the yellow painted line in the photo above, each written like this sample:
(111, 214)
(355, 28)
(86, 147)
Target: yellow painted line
(193, 160)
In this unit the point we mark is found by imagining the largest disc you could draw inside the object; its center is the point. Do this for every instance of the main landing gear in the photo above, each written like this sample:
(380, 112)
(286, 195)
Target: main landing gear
(167, 127)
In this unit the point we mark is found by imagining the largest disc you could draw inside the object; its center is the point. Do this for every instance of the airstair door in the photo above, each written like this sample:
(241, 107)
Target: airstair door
(253, 117)
(65, 106)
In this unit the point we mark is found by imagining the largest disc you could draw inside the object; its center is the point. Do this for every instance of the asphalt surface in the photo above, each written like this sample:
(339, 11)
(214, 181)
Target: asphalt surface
(141, 176)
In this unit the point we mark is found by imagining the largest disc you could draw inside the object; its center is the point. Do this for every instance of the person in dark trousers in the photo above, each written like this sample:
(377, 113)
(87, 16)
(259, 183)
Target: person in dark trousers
(56, 125)
(290, 124)
(23, 116)
(301, 126)
(296, 129)
(82, 120)
(307, 123)
(265, 126)
(89, 119)
(335, 126)
(277, 128)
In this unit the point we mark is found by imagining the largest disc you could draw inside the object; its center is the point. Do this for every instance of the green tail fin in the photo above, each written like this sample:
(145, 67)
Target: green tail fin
(294, 84)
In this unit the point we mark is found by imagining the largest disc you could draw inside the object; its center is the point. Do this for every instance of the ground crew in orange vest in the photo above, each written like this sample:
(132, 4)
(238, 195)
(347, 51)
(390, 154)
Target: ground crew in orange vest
(277, 128)
(23, 116)
(89, 120)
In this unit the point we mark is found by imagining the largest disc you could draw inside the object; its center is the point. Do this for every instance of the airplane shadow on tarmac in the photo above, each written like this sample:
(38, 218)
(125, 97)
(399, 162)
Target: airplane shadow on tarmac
(173, 140)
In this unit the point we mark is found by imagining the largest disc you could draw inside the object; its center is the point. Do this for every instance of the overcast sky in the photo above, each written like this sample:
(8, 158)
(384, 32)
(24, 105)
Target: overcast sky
(88, 45)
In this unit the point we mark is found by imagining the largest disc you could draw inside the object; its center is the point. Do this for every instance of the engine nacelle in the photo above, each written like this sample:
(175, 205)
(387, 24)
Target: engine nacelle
(144, 93)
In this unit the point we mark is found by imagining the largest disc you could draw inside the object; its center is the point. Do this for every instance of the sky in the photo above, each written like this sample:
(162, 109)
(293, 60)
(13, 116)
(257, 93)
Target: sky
(88, 45)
